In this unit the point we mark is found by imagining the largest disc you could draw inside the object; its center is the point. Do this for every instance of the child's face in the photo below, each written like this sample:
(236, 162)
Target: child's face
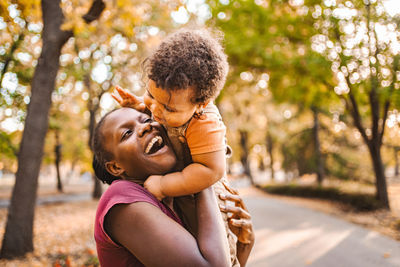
(170, 108)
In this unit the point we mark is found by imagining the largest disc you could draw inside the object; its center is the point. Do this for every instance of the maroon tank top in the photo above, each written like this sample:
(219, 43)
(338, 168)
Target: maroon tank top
(121, 192)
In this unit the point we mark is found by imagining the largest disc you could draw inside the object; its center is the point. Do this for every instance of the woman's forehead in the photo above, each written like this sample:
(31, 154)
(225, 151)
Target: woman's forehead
(124, 114)
(120, 117)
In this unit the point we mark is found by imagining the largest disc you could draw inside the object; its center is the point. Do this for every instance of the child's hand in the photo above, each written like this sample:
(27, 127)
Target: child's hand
(153, 185)
(126, 99)
(240, 220)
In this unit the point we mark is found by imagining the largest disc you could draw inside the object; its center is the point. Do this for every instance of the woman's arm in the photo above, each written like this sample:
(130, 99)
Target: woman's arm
(157, 240)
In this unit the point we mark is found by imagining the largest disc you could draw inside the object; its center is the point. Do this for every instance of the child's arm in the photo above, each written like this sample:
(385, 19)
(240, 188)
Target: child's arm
(126, 99)
(205, 170)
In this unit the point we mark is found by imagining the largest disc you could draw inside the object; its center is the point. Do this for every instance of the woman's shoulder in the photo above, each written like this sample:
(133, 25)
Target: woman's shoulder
(124, 192)
(119, 192)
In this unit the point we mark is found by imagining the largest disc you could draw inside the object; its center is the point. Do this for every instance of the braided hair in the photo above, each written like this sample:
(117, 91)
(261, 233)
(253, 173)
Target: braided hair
(101, 155)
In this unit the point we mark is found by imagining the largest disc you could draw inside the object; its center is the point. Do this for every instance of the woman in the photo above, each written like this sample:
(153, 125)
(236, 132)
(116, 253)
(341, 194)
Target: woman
(132, 227)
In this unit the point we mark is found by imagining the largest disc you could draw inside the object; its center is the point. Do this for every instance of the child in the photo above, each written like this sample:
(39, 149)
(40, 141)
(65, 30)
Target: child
(186, 72)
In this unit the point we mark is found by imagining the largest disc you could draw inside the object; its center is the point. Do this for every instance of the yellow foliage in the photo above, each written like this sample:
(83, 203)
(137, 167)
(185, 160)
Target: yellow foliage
(30, 12)
(30, 9)
(3, 10)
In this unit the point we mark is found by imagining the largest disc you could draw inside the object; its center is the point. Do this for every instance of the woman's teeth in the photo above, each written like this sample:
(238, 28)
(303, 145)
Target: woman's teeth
(156, 140)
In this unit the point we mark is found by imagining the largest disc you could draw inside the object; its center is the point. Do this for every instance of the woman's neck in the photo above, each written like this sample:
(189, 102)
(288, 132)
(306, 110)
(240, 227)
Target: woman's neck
(138, 181)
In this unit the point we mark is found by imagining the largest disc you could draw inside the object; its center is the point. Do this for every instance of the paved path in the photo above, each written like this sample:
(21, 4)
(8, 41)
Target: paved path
(288, 235)
(42, 200)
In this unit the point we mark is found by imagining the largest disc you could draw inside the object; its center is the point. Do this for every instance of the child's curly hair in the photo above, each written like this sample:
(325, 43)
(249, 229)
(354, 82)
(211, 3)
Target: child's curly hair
(190, 58)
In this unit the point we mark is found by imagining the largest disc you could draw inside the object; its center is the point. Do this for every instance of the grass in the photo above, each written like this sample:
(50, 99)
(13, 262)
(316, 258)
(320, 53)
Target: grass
(355, 200)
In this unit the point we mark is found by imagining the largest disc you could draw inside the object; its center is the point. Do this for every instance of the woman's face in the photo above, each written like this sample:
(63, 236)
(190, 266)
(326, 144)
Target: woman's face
(139, 145)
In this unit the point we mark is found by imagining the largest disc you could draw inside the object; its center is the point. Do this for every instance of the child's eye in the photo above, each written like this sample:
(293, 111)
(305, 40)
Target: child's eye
(148, 120)
(126, 134)
(149, 95)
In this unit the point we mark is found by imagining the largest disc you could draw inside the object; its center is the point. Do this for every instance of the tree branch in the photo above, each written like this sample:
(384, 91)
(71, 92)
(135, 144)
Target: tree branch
(10, 55)
(373, 96)
(95, 11)
(354, 110)
(388, 98)
(93, 14)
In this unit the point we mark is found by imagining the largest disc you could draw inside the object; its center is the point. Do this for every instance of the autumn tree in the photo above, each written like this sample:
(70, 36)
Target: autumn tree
(276, 39)
(18, 237)
(19, 25)
(360, 40)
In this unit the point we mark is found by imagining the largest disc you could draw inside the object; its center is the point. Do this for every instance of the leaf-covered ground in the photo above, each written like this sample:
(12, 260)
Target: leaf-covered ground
(64, 232)
(63, 236)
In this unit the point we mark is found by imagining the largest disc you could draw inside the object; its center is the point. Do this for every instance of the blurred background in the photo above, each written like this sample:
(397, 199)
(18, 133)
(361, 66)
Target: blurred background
(311, 103)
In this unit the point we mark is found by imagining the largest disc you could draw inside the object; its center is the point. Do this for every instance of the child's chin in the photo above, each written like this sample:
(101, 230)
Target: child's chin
(174, 124)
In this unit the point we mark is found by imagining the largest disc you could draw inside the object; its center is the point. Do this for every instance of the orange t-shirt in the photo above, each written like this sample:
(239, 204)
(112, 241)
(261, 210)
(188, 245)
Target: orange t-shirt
(207, 133)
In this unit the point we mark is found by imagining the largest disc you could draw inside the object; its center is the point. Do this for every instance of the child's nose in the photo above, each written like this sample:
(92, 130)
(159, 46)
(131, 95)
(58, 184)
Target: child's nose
(151, 105)
(147, 101)
(155, 110)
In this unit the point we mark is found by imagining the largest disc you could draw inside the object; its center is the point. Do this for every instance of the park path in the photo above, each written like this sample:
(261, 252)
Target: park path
(61, 198)
(289, 235)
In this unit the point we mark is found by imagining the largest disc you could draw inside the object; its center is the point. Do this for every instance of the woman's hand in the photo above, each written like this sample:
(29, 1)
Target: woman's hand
(126, 99)
(240, 224)
(240, 219)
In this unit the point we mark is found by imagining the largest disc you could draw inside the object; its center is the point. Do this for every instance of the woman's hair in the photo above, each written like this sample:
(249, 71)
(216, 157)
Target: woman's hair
(101, 155)
(189, 58)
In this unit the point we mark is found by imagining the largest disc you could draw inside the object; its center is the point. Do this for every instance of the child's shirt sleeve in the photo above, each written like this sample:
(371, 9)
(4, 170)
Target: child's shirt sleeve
(206, 134)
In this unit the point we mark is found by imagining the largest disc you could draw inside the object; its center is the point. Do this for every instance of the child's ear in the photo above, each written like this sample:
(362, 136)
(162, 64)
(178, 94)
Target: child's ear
(113, 168)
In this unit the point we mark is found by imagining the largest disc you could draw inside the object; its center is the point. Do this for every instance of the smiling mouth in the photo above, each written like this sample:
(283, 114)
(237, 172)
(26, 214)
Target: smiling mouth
(154, 145)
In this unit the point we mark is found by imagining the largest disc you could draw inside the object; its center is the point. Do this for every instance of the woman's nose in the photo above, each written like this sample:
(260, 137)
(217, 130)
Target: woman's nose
(144, 128)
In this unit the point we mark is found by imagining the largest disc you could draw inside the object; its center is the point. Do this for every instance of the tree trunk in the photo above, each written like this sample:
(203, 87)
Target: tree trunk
(261, 165)
(380, 183)
(396, 158)
(270, 147)
(57, 152)
(18, 237)
(318, 155)
(244, 157)
(97, 188)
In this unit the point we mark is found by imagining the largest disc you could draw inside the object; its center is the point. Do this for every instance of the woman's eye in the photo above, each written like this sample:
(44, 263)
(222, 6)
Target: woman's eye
(148, 120)
(126, 134)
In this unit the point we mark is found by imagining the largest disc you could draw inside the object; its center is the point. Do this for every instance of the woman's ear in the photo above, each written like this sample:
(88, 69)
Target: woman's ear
(113, 168)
